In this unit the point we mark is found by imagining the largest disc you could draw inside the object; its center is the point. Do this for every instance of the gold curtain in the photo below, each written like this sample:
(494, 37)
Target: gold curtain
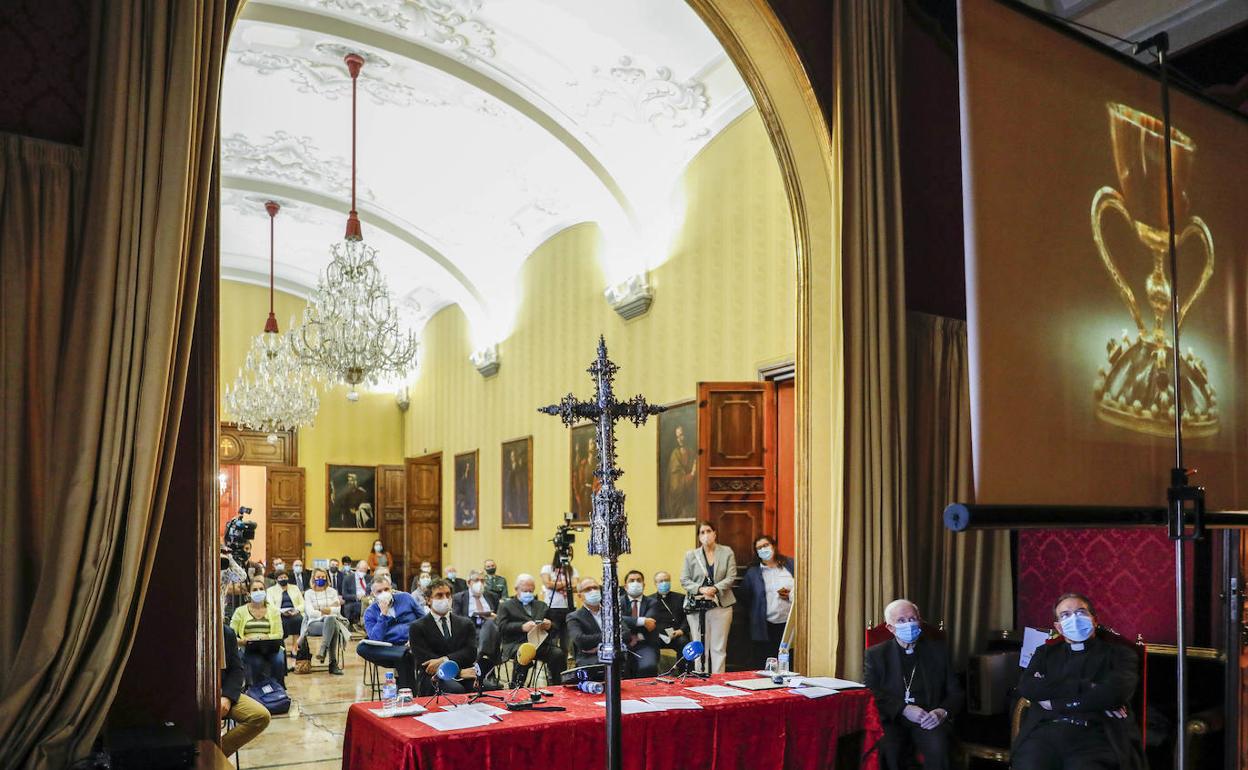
(965, 580)
(875, 557)
(107, 361)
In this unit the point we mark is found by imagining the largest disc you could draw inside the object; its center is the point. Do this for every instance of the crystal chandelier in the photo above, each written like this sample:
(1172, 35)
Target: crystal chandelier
(274, 391)
(351, 332)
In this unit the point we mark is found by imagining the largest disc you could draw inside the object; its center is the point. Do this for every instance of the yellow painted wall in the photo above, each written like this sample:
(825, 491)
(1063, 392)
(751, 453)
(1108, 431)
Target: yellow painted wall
(724, 305)
(367, 432)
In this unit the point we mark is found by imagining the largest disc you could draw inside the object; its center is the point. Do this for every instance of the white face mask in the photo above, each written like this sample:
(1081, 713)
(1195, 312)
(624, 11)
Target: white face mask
(425, 580)
(298, 568)
(377, 548)
(634, 589)
(705, 538)
(451, 575)
(475, 588)
(441, 605)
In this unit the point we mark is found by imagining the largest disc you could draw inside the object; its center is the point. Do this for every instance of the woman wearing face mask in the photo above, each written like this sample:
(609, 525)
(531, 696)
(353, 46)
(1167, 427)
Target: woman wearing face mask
(288, 599)
(379, 557)
(323, 610)
(707, 577)
(259, 628)
(767, 594)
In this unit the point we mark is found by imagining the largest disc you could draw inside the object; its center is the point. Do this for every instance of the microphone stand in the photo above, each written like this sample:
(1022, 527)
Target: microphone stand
(480, 693)
(438, 693)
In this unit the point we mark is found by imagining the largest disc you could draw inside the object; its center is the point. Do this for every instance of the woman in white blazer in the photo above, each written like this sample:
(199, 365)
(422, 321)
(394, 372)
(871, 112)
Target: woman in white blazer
(709, 573)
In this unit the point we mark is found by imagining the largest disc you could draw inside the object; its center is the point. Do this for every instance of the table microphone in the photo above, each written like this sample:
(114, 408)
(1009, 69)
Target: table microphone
(691, 652)
(525, 654)
(448, 670)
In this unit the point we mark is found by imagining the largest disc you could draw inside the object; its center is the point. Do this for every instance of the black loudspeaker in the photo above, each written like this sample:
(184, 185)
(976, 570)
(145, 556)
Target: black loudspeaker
(592, 673)
(159, 747)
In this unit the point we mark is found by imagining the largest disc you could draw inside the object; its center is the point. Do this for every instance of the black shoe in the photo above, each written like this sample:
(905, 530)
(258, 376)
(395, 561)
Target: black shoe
(335, 669)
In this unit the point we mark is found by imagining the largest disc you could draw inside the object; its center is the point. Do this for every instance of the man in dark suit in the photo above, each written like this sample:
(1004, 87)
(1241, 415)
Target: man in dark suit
(915, 691)
(300, 576)
(668, 607)
(1080, 691)
(638, 612)
(522, 614)
(585, 633)
(475, 602)
(348, 589)
(451, 575)
(440, 636)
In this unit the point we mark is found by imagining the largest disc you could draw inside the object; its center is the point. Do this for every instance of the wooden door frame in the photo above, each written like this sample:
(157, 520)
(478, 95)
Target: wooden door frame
(440, 506)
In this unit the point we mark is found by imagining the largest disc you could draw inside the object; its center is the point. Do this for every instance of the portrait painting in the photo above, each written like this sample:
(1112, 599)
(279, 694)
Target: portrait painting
(584, 460)
(466, 497)
(678, 464)
(518, 483)
(352, 498)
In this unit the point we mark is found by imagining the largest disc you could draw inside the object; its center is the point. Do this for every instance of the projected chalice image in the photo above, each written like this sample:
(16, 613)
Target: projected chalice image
(1134, 390)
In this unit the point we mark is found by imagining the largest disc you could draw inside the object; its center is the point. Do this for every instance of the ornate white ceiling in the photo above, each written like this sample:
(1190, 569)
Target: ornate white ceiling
(485, 126)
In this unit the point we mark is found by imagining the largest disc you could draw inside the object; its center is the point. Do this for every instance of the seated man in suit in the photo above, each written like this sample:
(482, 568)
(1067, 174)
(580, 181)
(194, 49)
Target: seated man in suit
(585, 630)
(494, 582)
(523, 614)
(388, 619)
(451, 575)
(299, 577)
(441, 636)
(639, 612)
(915, 690)
(1080, 689)
(668, 608)
(349, 593)
(475, 603)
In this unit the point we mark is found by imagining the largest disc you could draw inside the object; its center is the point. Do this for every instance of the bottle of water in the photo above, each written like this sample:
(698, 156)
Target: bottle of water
(784, 658)
(389, 694)
(593, 688)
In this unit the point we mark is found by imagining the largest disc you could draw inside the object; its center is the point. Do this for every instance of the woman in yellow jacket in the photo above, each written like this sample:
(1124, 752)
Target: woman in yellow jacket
(259, 629)
(288, 599)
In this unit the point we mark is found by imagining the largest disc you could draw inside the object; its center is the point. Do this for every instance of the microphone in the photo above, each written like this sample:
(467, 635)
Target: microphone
(525, 654)
(688, 654)
(448, 670)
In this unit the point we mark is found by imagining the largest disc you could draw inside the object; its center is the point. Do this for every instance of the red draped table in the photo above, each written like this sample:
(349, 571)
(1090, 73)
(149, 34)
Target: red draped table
(764, 730)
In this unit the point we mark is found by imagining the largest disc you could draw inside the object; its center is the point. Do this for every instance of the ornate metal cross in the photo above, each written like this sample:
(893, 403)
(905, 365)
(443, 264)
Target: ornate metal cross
(608, 535)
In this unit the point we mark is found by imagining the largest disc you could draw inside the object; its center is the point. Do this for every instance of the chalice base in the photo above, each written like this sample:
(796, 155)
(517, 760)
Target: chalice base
(1135, 392)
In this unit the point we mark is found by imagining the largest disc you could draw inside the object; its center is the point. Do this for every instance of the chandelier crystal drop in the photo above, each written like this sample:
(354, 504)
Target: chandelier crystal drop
(274, 391)
(351, 331)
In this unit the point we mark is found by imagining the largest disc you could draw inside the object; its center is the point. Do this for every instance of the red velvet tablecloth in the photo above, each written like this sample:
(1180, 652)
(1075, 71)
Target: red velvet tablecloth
(765, 730)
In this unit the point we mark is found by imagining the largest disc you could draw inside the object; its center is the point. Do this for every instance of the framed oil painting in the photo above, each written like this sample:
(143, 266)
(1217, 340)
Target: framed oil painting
(351, 504)
(466, 491)
(678, 463)
(518, 483)
(584, 460)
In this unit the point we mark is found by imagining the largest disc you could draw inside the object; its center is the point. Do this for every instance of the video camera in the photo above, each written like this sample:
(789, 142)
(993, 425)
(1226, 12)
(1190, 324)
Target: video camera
(238, 533)
(564, 538)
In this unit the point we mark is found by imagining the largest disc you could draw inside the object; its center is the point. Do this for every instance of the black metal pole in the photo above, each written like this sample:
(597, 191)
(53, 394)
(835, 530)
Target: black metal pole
(960, 517)
(611, 653)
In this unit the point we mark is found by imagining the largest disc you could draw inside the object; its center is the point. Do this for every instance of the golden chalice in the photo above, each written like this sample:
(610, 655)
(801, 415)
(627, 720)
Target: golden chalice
(1135, 390)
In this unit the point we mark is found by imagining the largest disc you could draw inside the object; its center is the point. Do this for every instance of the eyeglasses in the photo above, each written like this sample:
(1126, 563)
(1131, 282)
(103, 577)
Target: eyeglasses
(1082, 612)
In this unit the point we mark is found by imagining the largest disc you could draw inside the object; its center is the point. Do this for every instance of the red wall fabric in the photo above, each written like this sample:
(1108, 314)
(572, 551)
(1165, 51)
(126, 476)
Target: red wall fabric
(43, 68)
(1128, 575)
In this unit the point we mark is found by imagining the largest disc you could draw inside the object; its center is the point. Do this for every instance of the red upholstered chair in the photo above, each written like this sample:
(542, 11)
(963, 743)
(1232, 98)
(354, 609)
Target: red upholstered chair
(880, 633)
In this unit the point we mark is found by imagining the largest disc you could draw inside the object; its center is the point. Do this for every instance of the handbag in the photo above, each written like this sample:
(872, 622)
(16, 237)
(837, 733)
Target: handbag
(303, 666)
(270, 694)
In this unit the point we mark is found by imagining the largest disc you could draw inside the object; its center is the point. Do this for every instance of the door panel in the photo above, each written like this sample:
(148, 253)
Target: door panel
(285, 526)
(391, 493)
(423, 523)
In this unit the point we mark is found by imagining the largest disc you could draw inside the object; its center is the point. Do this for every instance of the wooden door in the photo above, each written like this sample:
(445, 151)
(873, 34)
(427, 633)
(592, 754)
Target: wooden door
(424, 511)
(391, 492)
(286, 517)
(227, 491)
(736, 444)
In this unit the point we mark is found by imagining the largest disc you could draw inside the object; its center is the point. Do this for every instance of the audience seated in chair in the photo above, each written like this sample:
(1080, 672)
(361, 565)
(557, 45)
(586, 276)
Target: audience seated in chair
(638, 612)
(250, 718)
(387, 622)
(668, 607)
(585, 630)
(1080, 691)
(258, 626)
(525, 614)
(915, 689)
(322, 609)
(288, 599)
(349, 590)
(440, 636)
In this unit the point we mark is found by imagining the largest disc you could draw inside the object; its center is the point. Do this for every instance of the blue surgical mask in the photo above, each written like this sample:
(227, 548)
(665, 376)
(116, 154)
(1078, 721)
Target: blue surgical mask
(764, 554)
(257, 596)
(320, 581)
(635, 589)
(593, 598)
(525, 597)
(907, 632)
(1077, 628)
(665, 586)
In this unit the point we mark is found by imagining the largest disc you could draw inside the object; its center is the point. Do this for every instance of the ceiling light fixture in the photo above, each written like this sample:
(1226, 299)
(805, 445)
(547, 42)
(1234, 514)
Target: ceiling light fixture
(274, 391)
(351, 332)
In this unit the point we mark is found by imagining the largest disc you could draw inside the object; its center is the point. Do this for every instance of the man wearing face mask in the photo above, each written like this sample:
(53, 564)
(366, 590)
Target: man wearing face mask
(915, 691)
(299, 577)
(638, 613)
(523, 614)
(349, 591)
(1080, 691)
(494, 582)
(668, 607)
(387, 622)
(476, 603)
(278, 566)
(451, 575)
(585, 632)
(441, 636)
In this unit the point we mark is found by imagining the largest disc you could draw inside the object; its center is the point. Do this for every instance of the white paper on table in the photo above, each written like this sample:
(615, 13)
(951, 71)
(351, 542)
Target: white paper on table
(634, 706)
(814, 692)
(719, 691)
(830, 682)
(1032, 639)
(459, 719)
(672, 702)
(481, 708)
(537, 636)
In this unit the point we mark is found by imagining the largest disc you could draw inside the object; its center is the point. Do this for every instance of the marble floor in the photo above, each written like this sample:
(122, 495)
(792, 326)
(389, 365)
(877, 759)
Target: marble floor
(309, 736)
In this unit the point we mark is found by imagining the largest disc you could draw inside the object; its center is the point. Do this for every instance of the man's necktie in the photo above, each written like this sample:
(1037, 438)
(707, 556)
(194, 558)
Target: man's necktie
(446, 630)
(481, 606)
(636, 608)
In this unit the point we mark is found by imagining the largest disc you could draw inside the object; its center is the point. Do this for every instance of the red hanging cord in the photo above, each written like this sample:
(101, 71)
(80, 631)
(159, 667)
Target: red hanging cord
(272, 207)
(354, 63)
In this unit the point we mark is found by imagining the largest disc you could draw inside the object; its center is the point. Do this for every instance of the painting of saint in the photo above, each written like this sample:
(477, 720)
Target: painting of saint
(351, 497)
(466, 497)
(518, 483)
(678, 464)
(584, 461)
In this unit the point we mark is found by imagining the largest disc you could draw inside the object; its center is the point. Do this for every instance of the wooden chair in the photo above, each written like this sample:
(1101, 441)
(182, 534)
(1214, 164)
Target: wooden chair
(879, 633)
